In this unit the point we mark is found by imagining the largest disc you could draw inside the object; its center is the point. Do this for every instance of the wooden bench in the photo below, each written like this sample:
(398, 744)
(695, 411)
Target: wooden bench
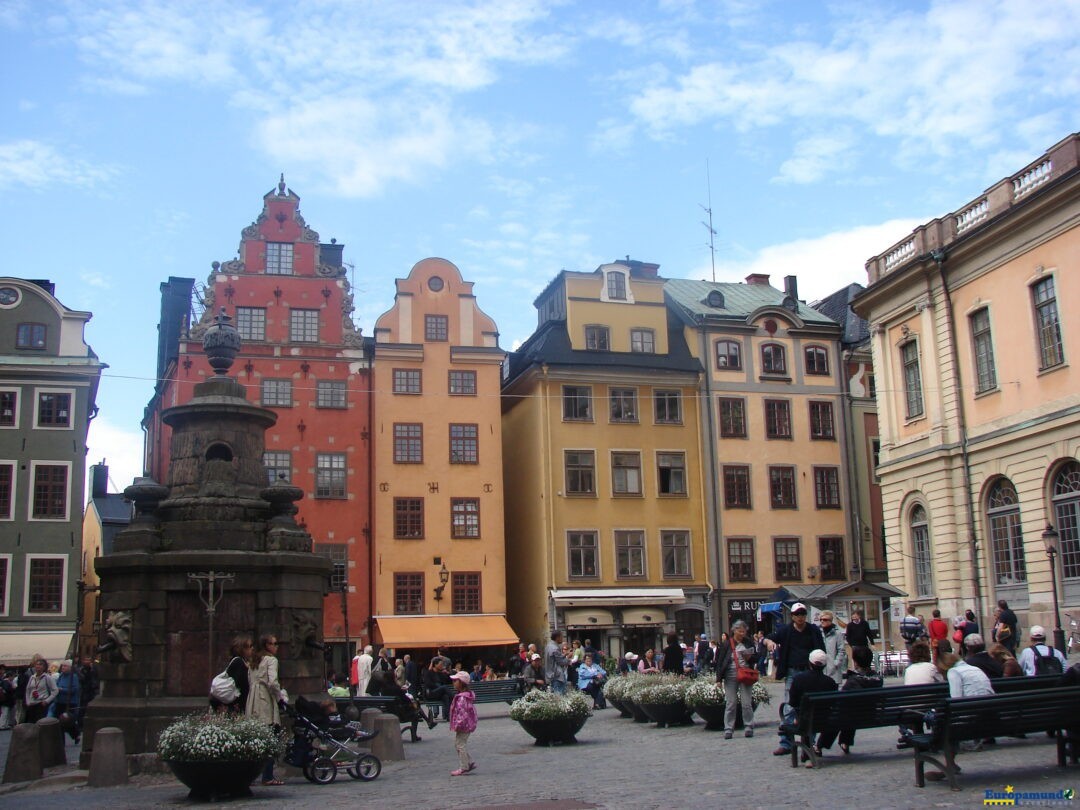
(959, 720)
(880, 708)
(408, 716)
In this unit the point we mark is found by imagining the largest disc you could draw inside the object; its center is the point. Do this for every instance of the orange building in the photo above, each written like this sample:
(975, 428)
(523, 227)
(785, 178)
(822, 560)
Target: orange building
(303, 358)
(439, 552)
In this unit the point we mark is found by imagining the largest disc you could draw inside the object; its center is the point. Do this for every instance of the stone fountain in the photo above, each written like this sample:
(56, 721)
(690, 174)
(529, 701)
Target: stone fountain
(215, 553)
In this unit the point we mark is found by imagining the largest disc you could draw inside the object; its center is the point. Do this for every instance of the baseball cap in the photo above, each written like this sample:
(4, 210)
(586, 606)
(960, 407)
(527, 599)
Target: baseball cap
(534, 657)
(818, 658)
(798, 607)
(704, 637)
(631, 656)
(461, 676)
(1037, 631)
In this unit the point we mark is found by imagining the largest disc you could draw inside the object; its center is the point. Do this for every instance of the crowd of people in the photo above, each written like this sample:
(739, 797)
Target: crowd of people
(61, 690)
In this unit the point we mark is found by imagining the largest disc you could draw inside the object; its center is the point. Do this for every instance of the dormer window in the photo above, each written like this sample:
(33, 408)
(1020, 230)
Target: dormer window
(30, 336)
(715, 299)
(773, 359)
(616, 286)
(597, 339)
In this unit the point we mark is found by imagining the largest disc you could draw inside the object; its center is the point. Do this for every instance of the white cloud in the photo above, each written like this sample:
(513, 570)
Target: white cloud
(945, 80)
(815, 157)
(822, 264)
(94, 280)
(37, 165)
(121, 448)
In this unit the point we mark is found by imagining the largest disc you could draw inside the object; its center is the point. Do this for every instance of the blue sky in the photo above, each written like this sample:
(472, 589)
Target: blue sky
(515, 138)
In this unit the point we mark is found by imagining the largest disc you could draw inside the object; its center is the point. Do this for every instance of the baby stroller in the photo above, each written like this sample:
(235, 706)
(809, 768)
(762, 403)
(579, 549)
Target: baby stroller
(320, 745)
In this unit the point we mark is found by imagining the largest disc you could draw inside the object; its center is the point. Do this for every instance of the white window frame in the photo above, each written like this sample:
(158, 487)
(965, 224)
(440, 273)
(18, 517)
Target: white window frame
(18, 392)
(30, 483)
(63, 584)
(7, 585)
(71, 406)
(14, 486)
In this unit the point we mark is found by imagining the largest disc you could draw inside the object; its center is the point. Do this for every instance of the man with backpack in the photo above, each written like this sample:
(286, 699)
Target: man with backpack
(1040, 659)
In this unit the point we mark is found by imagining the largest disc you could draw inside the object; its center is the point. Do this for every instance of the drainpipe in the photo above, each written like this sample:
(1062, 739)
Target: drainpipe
(711, 477)
(939, 256)
(371, 502)
(552, 492)
(854, 515)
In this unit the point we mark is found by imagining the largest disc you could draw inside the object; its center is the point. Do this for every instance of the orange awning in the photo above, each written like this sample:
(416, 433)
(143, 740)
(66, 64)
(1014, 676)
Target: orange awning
(451, 631)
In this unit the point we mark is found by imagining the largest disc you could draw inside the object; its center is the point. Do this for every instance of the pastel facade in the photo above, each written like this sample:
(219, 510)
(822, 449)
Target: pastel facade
(602, 439)
(979, 406)
(48, 387)
(779, 493)
(438, 468)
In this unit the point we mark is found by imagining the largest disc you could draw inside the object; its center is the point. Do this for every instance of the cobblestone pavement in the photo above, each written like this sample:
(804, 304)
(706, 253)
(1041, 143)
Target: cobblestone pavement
(620, 764)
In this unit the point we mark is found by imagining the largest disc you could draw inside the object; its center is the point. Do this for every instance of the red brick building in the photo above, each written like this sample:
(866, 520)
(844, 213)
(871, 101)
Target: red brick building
(302, 357)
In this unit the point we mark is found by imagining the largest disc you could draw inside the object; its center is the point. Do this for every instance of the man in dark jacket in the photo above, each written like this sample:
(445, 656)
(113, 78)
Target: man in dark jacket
(859, 633)
(796, 642)
(811, 679)
(979, 658)
(1006, 631)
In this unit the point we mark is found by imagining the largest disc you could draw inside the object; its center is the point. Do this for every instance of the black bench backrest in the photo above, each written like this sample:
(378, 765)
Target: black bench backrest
(1015, 713)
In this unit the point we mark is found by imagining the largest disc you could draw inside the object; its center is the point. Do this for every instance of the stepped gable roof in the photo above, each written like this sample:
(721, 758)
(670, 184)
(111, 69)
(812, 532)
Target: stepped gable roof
(838, 307)
(690, 297)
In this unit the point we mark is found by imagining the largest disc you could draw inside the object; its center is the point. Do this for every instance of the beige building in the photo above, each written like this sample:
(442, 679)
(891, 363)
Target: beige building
(438, 562)
(978, 404)
(602, 448)
(777, 439)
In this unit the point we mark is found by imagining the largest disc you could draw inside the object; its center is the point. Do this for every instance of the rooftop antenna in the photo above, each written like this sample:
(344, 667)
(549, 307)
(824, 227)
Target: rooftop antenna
(708, 225)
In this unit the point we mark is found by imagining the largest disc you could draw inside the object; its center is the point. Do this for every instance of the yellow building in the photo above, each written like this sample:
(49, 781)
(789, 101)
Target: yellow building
(602, 466)
(779, 495)
(979, 407)
(438, 558)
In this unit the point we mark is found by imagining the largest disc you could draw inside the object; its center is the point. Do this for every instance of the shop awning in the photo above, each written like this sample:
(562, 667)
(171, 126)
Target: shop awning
(477, 630)
(583, 597)
(646, 615)
(16, 649)
(588, 617)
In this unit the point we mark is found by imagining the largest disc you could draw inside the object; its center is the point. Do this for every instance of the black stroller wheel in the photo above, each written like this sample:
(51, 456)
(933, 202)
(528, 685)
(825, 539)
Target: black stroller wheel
(322, 771)
(366, 768)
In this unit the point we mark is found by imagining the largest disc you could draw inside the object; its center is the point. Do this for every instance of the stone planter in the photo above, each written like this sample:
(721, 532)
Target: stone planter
(210, 781)
(556, 730)
(636, 711)
(618, 704)
(668, 714)
(714, 717)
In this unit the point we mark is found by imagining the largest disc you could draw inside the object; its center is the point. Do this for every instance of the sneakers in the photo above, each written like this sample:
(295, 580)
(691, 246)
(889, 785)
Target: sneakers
(728, 735)
(749, 733)
(459, 772)
(782, 752)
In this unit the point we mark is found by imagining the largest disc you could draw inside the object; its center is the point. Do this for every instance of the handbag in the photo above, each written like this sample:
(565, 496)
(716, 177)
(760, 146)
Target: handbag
(958, 635)
(223, 687)
(747, 676)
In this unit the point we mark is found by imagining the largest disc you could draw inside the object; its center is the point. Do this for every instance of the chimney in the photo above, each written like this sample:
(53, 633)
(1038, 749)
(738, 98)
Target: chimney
(791, 287)
(330, 254)
(758, 278)
(99, 480)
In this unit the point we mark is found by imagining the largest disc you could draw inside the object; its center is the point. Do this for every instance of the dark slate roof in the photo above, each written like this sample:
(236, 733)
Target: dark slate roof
(740, 300)
(550, 344)
(112, 508)
(838, 307)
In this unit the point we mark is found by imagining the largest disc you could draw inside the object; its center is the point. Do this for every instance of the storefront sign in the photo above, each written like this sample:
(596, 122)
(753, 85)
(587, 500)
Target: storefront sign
(744, 605)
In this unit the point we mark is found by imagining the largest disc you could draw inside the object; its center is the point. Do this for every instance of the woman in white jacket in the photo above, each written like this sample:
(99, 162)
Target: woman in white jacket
(265, 692)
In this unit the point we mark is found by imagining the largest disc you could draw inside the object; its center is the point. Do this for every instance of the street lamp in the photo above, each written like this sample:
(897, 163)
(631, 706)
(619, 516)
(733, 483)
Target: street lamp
(444, 577)
(1050, 538)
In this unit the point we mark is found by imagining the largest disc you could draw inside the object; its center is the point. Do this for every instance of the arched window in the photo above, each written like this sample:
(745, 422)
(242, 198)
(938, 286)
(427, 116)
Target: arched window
(1006, 538)
(920, 544)
(728, 354)
(817, 360)
(1066, 499)
(773, 359)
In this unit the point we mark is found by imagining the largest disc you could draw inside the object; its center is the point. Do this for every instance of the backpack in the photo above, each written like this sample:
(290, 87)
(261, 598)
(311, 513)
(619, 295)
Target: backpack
(1046, 664)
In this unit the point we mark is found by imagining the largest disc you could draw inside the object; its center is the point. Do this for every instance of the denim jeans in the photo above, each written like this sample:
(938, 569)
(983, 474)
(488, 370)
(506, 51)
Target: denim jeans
(558, 687)
(788, 715)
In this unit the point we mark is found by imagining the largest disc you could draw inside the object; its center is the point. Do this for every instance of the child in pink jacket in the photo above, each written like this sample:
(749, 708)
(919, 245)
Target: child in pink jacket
(462, 720)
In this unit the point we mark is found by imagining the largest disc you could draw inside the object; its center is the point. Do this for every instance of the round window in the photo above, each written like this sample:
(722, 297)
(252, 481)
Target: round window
(435, 283)
(9, 296)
